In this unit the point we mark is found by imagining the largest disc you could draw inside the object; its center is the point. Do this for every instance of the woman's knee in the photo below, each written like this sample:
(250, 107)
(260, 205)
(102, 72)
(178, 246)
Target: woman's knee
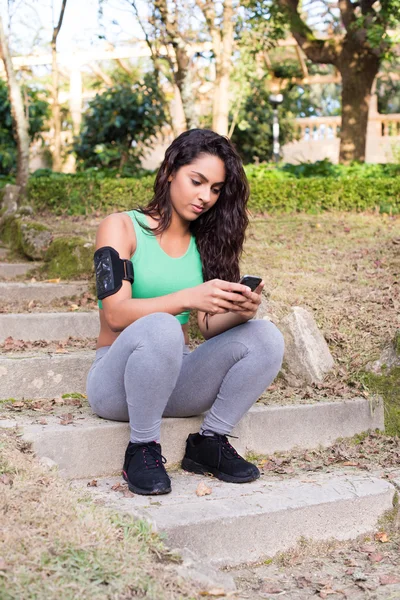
(263, 337)
(160, 330)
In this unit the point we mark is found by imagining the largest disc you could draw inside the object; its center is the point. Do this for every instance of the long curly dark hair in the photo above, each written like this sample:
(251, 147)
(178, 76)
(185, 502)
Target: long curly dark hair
(220, 231)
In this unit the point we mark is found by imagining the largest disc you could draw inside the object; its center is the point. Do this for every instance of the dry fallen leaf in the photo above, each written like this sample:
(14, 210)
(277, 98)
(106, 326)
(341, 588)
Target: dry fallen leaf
(92, 483)
(203, 489)
(119, 487)
(375, 557)
(302, 581)
(367, 548)
(216, 592)
(59, 401)
(128, 494)
(270, 588)
(42, 421)
(53, 280)
(6, 480)
(66, 419)
(382, 537)
(389, 579)
(73, 307)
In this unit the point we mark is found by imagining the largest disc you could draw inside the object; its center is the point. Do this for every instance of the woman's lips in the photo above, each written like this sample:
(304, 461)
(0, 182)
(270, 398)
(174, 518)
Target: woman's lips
(197, 209)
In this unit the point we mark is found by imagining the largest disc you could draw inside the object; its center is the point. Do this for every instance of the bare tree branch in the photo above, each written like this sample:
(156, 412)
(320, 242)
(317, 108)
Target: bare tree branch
(347, 13)
(317, 50)
(60, 20)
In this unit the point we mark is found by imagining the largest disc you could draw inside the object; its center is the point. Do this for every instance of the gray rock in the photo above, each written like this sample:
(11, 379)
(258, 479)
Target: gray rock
(203, 573)
(389, 358)
(307, 357)
(35, 239)
(25, 210)
(10, 198)
(47, 463)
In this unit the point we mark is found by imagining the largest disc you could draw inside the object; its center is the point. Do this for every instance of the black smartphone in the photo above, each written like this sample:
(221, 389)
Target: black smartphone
(251, 281)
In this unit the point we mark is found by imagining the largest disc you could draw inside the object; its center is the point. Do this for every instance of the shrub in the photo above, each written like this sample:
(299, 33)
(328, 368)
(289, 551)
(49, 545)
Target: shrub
(272, 190)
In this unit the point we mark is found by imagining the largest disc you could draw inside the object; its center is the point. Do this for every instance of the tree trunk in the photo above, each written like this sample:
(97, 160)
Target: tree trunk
(178, 117)
(223, 49)
(55, 110)
(21, 127)
(221, 101)
(358, 70)
(56, 105)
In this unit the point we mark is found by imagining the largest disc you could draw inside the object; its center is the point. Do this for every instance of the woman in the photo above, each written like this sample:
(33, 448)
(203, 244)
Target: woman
(184, 248)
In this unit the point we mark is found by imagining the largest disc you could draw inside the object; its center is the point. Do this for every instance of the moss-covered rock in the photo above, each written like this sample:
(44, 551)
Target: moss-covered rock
(69, 258)
(28, 238)
(9, 231)
(387, 385)
(35, 239)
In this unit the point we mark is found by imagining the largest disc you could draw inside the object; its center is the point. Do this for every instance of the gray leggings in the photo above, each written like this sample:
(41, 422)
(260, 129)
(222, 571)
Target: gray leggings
(148, 373)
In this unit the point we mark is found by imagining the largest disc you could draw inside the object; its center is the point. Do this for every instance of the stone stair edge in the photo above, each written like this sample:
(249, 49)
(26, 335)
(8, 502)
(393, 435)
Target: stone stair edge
(264, 517)
(90, 446)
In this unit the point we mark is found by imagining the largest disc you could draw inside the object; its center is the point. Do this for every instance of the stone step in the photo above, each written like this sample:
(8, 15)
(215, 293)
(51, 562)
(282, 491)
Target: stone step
(247, 523)
(93, 447)
(18, 293)
(43, 375)
(13, 270)
(49, 326)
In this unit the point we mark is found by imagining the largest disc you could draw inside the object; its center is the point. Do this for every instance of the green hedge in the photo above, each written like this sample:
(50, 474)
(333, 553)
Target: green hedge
(271, 191)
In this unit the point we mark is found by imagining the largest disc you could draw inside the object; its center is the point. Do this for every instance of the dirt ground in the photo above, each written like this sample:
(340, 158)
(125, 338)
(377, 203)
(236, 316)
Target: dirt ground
(368, 567)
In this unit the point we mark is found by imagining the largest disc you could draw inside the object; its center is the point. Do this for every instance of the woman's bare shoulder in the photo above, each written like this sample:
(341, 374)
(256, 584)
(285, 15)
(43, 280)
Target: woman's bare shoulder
(117, 230)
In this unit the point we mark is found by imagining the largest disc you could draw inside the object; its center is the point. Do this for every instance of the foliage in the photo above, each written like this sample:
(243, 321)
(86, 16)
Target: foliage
(38, 111)
(120, 124)
(253, 133)
(272, 190)
(324, 168)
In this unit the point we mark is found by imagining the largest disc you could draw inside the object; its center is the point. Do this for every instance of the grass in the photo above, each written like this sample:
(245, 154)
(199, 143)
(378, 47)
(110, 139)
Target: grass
(56, 543)
(344, 268)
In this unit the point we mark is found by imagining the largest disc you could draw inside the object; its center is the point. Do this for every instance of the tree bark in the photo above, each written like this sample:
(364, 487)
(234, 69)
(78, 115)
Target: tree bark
(358, 71)
(222, 40)
(358, 63)
(55, 85)
(21, 125)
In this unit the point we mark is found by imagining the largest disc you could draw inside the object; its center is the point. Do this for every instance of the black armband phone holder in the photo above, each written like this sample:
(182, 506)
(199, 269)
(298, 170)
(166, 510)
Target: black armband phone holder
(110, 271)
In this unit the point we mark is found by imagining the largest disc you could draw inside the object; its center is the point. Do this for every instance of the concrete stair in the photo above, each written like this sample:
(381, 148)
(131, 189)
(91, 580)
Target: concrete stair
(91, 447)
(237, 524)
(13, 270)
(19, 293)
(234, 523)
(49, 326)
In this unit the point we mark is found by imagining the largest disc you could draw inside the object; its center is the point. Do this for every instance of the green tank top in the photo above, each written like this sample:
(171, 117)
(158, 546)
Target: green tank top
(158, 274)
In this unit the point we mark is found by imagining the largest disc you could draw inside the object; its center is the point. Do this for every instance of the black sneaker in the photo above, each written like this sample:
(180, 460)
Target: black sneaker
(215, 455)
(144, 469)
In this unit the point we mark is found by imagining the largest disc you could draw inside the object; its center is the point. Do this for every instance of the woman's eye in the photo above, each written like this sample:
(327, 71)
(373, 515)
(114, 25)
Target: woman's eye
(216, 191)
(196, 182)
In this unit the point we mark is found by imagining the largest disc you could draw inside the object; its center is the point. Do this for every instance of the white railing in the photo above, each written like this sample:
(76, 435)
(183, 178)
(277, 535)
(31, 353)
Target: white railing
(328, 128)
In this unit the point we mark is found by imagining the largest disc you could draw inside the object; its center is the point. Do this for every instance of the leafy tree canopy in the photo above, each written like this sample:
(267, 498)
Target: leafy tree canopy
(120, 125)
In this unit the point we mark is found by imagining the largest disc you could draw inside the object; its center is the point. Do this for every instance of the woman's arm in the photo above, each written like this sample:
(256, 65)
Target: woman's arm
(120, 309)
(218, 323)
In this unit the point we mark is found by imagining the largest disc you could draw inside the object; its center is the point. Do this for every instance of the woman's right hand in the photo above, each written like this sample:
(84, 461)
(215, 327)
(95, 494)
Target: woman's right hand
(218, 296)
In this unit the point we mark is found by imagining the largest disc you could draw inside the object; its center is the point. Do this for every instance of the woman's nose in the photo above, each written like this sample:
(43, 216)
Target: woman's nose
(205, 194)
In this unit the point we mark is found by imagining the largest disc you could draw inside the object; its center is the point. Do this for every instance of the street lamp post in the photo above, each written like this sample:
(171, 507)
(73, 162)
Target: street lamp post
(276, 100)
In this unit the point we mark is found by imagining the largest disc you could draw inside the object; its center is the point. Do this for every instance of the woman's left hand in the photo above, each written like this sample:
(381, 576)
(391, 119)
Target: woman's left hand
(250, 307)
